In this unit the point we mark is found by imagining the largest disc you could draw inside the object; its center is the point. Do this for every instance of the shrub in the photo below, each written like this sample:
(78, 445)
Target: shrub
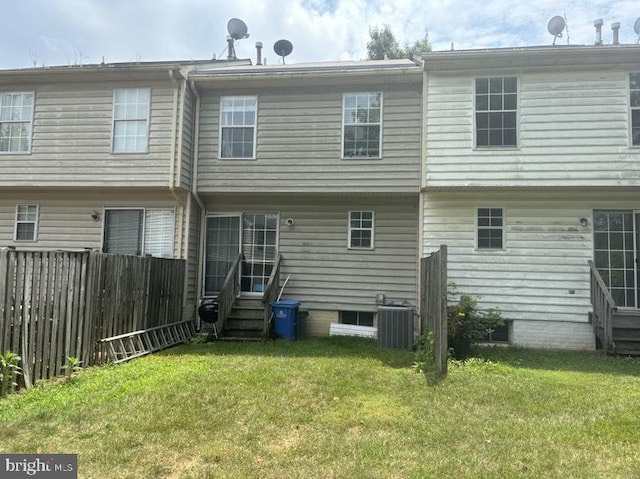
(9, 369)
(467, 324)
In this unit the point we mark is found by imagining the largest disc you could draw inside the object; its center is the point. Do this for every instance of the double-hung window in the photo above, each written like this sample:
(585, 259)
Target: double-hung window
(490, 228)
(496, 112)
(238, 126)
(131, 120)
(16, 118)
(361, 229)
(139, 231)
(362, 125)
(634, 102)
(26, 223)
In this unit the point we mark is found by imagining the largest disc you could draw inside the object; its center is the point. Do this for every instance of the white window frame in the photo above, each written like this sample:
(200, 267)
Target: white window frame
(361, 228)
(28, 121)
(33, 221)
(346, 124)
(143, 240)
(223, 126)
(501, 110)
(135, 118)
(490, 227)
(634, 109)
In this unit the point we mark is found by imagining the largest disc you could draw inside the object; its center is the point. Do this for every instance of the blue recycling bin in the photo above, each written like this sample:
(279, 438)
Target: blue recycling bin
(285, 318)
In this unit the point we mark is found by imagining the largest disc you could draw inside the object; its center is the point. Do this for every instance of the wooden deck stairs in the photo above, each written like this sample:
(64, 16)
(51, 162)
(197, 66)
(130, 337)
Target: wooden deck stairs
(245, 321)
(625, 332)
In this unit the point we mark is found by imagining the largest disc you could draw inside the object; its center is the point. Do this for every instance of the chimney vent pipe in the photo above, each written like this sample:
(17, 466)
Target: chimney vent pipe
(259, 53)
(616, 33)
(598, 24)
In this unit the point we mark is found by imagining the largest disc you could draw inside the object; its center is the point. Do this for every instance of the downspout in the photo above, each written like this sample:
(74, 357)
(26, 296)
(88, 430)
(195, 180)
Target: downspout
(194, 191)
(423, 182)
(172, 156)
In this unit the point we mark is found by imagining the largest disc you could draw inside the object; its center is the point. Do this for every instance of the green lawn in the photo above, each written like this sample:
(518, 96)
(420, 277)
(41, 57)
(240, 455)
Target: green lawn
(337, 408)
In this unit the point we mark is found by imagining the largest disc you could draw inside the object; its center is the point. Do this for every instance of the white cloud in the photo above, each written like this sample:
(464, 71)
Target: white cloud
(125, 30)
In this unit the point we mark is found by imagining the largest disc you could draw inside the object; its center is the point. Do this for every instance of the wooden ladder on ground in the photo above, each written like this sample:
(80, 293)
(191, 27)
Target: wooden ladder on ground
(124, 347)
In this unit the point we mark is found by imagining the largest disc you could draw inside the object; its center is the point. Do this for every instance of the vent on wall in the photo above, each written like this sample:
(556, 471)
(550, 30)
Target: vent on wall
(395, 327)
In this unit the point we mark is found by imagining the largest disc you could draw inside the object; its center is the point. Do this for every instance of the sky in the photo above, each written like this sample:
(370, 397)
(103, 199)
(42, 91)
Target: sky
(77, 32)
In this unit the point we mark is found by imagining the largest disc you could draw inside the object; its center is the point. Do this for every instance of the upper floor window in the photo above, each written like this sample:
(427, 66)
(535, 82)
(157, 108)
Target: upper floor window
(362, 120)
(634, 102)
(361, 229)
(490, 228)
(26, 223)
(16, 117)
(131, 120)
(496, 112)
(139, 231)
(238, 126)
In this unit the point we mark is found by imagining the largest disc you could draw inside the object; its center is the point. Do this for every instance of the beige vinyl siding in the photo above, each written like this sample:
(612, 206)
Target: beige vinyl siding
(299, 144)
(192, 239)
(72, 133)
(65, 218)
(573, 131)
(325, 274)
(542, 272)
(186, 152)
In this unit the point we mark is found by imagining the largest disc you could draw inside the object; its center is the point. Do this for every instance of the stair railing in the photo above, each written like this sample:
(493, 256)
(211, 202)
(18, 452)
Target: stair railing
(603, 308)
(270, 294)
(229, 292)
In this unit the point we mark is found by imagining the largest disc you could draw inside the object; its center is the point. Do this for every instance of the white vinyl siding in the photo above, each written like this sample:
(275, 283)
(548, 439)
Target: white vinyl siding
(238, 117)
(26, 226)
(139, 231)
(16, 118)
(131, 120)
(573, 132)
(634, 102)
(362, 125)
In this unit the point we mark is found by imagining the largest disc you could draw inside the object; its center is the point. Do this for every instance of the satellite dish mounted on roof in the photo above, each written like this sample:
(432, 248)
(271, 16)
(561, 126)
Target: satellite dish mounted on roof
(636, 28)
(556, 27)
(283, 48)
(237, 31)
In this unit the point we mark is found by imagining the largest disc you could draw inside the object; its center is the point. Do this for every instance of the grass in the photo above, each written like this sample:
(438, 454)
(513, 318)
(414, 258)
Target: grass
(336, 408)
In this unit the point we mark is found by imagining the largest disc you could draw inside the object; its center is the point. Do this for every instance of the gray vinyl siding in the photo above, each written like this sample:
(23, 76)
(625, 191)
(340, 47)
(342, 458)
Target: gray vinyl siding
(573, 132)
(65, 218)
(542, 272)
(325, 273)
(72, 133)
(299, 144)
(192, 252)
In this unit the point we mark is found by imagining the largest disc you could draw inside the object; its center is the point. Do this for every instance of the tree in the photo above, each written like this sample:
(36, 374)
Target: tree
(383, 44)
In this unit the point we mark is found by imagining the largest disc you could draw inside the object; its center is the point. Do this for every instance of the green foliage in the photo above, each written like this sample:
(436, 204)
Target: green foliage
(424, 360)
(73, 365)
(9, 370)
(383, 44)
(467, 324)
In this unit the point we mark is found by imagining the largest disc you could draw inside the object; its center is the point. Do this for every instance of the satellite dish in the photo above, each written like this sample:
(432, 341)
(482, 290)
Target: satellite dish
(636, 28)
(556, 27)
(283, 48)
(237, 29)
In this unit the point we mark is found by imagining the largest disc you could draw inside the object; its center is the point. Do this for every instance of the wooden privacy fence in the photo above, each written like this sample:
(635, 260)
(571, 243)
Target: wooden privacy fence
(59, 304)
(433, 304)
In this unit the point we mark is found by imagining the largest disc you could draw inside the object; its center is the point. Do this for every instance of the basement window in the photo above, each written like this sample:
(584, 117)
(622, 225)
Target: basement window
(358, 318)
